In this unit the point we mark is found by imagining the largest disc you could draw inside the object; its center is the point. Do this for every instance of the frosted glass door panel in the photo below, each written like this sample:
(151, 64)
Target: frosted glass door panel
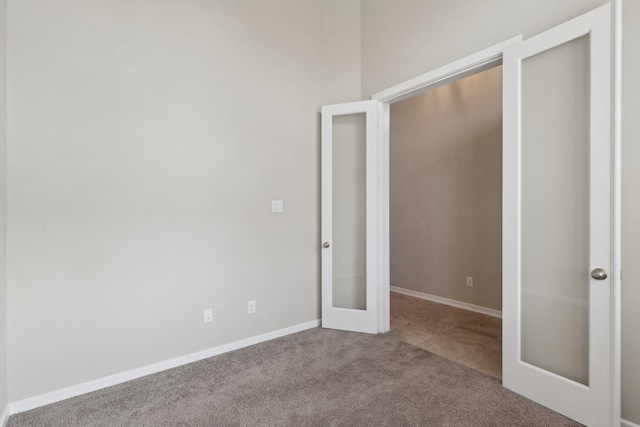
(555, 210)
(349, 212)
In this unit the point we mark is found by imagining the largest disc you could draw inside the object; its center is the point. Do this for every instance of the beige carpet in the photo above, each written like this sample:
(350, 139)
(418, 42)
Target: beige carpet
(314, 378)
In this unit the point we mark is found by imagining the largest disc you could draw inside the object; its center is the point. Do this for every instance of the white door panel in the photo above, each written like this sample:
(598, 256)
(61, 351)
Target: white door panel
(557, 224)
(350, 216)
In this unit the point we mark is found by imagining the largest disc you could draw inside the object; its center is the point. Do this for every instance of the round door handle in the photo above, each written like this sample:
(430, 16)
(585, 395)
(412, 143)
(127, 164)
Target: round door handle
(599, 274)
(326, 245)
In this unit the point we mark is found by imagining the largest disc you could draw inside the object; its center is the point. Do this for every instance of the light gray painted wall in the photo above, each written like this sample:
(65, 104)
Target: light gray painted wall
(420, 35)
(3, 211)
(341, 57)
(405, 38)
(630, 211)
(146, 143)
(446, 190)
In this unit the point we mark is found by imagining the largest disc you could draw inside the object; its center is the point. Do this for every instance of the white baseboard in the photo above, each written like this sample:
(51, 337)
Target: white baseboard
(87, 387)
(447, 301)
(4, 417)
(625, 423)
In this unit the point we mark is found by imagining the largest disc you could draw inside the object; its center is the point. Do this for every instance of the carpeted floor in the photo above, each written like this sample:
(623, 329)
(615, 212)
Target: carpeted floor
(318, 377)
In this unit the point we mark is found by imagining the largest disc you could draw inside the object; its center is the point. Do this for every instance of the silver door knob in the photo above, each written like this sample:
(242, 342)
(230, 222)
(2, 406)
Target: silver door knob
(599, 274)
(326, 245)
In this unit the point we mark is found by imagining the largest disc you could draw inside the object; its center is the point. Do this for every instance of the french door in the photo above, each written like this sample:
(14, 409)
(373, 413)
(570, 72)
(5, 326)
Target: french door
(557, 218)
(350, 216)
(558, 267)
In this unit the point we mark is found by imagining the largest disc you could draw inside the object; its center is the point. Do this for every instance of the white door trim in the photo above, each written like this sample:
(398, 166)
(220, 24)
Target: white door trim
(472, 64)
(616, 244)
(479, 61)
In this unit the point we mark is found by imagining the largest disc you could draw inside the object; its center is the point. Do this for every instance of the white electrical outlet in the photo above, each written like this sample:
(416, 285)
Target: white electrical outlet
(469, 281)
(208, 315)
(251, 307)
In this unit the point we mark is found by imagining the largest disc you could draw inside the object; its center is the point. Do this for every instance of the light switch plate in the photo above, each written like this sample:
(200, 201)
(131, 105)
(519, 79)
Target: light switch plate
(277, 206)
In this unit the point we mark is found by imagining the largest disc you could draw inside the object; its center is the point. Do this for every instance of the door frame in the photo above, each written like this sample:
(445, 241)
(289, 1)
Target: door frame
(469, 65)
(464, 67)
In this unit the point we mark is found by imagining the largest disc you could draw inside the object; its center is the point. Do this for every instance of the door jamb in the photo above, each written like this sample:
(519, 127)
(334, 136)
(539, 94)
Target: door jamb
(616, 214)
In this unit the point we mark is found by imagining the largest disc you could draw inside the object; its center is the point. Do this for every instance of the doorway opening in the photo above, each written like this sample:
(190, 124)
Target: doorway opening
(445, 223)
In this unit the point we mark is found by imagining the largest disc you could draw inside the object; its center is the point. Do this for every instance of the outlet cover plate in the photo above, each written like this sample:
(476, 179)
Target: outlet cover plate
(208, 315)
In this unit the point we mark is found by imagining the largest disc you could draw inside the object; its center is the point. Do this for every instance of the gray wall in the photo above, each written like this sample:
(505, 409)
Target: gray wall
(146, 142)
(420, 35)
(631, 211)
(3, 212)
(341, 57)
(405, 38)
(446, 190)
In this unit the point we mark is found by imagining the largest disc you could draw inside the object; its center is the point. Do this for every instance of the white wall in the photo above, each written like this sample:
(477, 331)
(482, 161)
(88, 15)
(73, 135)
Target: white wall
(420, 35)
(446, 190)
(3, 212)
(146, 141)
(630, 211)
